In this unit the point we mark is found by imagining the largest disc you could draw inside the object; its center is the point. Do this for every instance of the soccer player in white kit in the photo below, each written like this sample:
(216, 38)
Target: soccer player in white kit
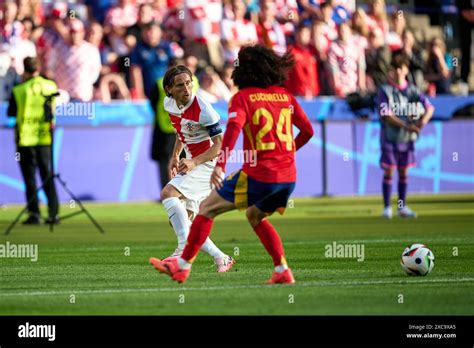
(199, 133)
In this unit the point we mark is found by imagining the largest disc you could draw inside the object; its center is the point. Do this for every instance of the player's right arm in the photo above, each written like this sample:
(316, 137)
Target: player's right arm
(174, 161)
(235, 123)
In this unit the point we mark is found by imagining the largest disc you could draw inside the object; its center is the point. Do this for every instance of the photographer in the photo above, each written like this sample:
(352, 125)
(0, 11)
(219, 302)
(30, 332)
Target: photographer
(31, 104)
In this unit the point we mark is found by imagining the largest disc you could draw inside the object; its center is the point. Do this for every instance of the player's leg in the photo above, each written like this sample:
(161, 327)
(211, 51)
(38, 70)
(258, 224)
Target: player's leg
(218, 202)
(177, 214)
(403, 209)
(402, 187)
(202, 224)
(388, 161)
(179, 268)
(223, 262)
(257, 216)
(387, 191)
(268, 236)
(406, 159)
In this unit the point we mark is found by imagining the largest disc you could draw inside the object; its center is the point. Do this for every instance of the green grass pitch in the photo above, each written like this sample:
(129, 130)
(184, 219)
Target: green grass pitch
(81, 272)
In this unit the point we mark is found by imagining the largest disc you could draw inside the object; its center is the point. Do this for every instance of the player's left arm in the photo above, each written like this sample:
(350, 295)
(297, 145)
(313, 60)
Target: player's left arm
(302, 122)
(429, 110)
(235, 123)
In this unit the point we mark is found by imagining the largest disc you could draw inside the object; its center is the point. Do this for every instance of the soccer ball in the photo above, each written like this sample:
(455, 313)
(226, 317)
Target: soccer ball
(417, 259)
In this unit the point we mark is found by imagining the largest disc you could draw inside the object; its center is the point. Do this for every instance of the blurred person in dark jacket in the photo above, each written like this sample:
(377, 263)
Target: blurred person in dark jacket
(377, 58)
(409, 49)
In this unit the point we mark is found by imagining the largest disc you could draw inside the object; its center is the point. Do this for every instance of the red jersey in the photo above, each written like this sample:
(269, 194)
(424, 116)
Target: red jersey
(267, 117)
(303, 78)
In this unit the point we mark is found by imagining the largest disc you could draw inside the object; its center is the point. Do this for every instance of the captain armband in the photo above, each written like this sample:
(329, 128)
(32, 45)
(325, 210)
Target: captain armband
(214, 130)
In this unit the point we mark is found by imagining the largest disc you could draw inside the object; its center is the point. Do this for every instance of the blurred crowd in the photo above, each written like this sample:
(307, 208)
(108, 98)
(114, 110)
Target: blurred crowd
(118, 49)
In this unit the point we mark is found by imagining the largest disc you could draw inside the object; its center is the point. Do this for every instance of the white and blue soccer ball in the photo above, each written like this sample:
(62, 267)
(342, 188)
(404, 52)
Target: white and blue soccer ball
(417, 259)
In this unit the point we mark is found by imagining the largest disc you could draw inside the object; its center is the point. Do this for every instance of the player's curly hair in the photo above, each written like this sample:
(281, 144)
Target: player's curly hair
(259, 66)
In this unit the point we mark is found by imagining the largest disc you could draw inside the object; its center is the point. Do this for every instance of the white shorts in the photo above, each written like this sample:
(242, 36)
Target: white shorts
(195, 186)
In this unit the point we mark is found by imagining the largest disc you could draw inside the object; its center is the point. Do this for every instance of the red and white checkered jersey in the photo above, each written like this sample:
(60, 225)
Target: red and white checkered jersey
(191, 122)
(122, 16)
(345, 61)
(45, 44)
(77, 68)
(374, 23)
(202, 19)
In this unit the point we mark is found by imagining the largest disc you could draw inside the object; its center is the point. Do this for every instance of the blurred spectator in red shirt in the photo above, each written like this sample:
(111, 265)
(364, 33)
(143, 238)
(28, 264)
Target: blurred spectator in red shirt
(347, 64)
(303, 78)
(394, 36)
(55, 31)
(237, 32)
(173, 23)
(269, 31)
(377, 16)
(77, 63)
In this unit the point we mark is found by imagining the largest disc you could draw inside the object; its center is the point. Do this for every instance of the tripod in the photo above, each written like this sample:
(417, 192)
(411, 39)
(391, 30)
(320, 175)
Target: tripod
(55, 176)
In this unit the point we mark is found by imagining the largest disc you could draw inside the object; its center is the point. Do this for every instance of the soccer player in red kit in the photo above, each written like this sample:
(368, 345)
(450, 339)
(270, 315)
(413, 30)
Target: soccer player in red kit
(266, 112)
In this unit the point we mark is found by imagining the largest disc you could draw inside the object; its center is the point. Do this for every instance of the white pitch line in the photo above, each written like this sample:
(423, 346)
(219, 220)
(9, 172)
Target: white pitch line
(289, 242)
(235, 287)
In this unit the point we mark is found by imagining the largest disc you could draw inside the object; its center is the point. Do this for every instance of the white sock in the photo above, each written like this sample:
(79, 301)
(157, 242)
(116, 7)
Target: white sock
(183, 264)
(210, 248)
(179, 219)
(281, 268)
